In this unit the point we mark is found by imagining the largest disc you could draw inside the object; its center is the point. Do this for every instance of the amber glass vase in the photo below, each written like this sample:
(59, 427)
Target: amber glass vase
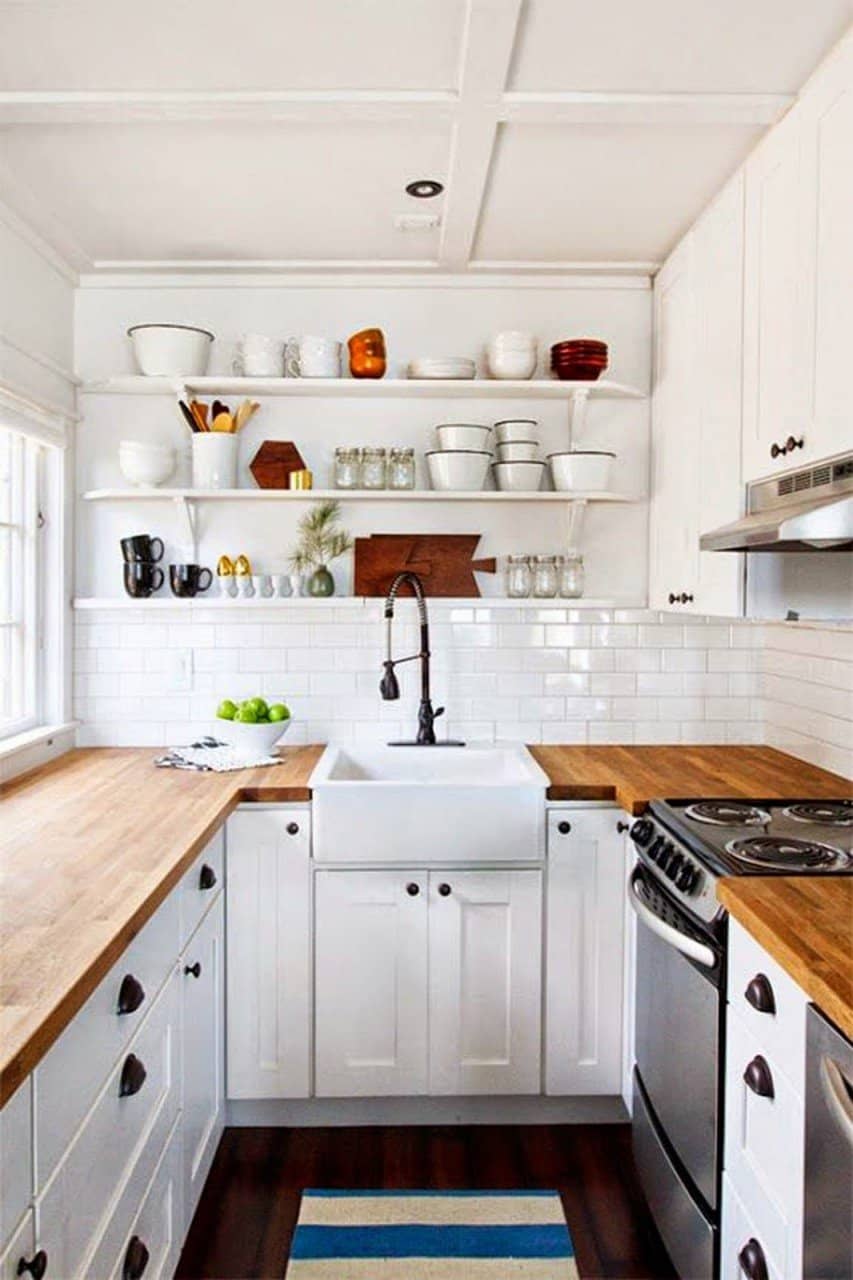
(367, 354)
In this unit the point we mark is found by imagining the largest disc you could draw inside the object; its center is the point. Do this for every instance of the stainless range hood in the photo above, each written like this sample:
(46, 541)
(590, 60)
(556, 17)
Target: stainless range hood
(808, 510)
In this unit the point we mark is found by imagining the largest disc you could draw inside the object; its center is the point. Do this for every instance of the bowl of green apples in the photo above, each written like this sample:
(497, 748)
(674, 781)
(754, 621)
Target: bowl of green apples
(253, 726)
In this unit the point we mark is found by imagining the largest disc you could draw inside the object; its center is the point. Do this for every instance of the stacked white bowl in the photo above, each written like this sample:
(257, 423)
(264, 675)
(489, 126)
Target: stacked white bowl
(518, 468)
(461, 461)
(145, 464)
(512, 355)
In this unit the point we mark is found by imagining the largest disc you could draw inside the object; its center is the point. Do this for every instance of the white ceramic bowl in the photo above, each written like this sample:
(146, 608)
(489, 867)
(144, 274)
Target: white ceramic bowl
(145, 465)
(463, 435)
(513, 430)
(513, 340)
(511, 364)
(442, 367)
(518, 477)
(254, 739)
(460, 469)
(581, 469)
(171, 350)
(518, 451)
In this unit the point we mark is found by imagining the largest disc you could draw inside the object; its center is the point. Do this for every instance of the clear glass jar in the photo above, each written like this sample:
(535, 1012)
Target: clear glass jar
(517, 577)
(571, 576)
(347, 468)
(374, 468)
(545, 580)
(401, 469)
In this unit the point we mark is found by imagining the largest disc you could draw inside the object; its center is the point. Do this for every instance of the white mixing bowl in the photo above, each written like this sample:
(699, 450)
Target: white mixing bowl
(581, 469)
(171, 350)
(464, 469)
(145, 465)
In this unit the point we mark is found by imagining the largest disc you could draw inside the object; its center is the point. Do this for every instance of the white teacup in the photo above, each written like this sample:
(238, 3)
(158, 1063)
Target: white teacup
(311, 357)
(259, 356)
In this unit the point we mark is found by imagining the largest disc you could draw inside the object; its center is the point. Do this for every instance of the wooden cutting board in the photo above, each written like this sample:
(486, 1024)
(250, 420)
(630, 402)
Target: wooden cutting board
(444, 561)
(273, 463)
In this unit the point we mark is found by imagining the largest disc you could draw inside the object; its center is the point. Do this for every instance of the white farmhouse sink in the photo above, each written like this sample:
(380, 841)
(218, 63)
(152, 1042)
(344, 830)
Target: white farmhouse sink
(428, 804)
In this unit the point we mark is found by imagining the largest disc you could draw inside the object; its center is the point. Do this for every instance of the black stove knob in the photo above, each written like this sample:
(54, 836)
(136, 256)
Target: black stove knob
(642, 831)
(664, 855)
(656, 848)
(688, 878)
(674, 865)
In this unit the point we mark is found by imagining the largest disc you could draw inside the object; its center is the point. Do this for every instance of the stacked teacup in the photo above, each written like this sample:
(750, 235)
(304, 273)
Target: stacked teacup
(512, 355)
(518, 467)
(312, 357)
(258, 356)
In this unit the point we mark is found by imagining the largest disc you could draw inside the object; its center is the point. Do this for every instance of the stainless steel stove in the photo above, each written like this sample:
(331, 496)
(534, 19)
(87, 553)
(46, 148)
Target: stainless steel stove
(683, 848)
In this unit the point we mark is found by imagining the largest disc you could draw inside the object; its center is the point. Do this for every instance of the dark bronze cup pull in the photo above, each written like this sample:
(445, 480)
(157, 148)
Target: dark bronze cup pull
(36, 1266)
(133, 1075)
(194, 969)
(130, 994)
(759, 994)
(413, 889)
(206, 877)
(622, 827)
(135, 1259)
(759, 1078)
(752, 1260)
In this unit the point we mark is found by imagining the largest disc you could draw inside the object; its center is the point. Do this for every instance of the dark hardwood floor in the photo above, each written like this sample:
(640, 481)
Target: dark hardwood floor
(243, 1224)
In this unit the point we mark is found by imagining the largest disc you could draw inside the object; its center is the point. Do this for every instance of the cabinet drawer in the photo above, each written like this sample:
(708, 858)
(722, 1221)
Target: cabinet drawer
(764, 1138)
(87, 1188)
(70, 1076)
(740, 1231)
(782, 1032)
(16, 1174)
(200, 885)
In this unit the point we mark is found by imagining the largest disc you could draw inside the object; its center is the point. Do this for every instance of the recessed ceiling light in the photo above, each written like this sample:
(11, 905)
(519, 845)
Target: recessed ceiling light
(424, 188)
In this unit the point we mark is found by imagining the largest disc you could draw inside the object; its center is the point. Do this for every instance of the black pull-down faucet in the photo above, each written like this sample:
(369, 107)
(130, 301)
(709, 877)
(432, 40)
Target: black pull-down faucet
(389, 686)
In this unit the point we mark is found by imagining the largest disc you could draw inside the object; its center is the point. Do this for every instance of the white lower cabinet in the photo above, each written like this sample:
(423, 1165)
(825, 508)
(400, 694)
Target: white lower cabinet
(269, 953)
(154, 1245)
(21, 1249)
(427, 982)
(202, 978)
(584, 958)
(743, 1247)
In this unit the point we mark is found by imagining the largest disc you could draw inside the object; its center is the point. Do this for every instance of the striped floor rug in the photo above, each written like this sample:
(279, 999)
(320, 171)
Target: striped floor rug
(431, 1235)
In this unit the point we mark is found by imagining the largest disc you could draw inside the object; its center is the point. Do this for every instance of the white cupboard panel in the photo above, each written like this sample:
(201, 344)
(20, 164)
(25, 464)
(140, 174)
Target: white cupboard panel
(158, 1227)
(740, 1231)
(202, 974)
(21, 1248)
(485, 972)
(200, 884)
(16, 1158)
(782, 1032)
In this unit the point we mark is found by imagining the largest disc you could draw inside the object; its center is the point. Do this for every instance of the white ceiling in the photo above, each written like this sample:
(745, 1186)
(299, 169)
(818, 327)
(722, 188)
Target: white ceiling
(181, 134)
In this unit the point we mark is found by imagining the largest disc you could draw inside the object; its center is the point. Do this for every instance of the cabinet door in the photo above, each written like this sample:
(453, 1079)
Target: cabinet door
(485, 975)
(673, 519)
(774, 363)
(370, 983)
(269, 953)
(827, 147)
(203, 1011)
(584, 956)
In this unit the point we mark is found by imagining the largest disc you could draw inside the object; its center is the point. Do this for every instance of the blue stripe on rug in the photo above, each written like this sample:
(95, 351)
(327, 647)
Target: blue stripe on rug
(534, 1241)
(358, 1195)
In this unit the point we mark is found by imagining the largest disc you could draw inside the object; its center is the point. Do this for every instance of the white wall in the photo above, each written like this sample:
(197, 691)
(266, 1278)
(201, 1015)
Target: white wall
(806, 689)
(425, 320)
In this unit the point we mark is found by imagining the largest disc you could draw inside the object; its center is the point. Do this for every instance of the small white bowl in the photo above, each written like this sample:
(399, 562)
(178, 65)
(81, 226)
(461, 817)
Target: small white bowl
(581, 469)
(251, 739)
(518, 451)
(515, 430)
(145, 465)
(461, 469)
(463, 435)
(509, 364)
(513, 340)
(518, 477)
(171, 350)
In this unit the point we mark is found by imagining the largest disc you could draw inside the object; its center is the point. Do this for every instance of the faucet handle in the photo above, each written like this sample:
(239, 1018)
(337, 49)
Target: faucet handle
(439, 711)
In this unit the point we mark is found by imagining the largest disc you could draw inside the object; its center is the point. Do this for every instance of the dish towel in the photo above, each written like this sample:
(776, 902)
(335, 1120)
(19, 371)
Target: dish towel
(210, 755)
(431, 1235)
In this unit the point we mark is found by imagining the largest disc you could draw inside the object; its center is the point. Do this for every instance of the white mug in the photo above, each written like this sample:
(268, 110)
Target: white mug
(281, 585)
(258, 356)
(310, 357)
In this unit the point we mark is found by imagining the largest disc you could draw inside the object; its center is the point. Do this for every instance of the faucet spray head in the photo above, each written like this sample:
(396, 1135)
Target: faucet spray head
(389, 686)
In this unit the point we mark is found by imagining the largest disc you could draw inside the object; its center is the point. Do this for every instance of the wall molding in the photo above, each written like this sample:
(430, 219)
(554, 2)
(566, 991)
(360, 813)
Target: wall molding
(289, 275)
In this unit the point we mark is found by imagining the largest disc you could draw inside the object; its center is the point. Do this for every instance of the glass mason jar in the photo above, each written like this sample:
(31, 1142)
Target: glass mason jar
(347, 465)
(401, 469)
(545, 580)
(517, 577)
(373, 468)
(571, 576)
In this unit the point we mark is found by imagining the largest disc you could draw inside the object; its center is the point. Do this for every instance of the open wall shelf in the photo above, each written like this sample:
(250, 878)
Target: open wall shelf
(349, 495)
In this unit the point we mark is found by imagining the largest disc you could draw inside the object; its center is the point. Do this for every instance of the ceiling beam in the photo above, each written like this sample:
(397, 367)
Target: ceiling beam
(489, 39)
(644, 108)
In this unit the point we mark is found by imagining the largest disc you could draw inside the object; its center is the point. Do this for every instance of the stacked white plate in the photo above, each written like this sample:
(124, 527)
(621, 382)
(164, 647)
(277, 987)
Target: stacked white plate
(442, 367)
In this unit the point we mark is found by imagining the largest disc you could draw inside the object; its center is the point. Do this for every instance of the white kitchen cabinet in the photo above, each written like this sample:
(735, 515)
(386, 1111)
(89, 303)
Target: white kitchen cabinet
(584, 960)
(741, 1237)
(21, 1248)
(485, 967)
(16, 1174)
(371, 983)
(202, 975)
(269, 953)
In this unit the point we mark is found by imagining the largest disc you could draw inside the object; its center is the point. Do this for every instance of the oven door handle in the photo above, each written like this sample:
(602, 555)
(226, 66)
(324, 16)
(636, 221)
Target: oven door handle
(836, 1092)
(688, 946)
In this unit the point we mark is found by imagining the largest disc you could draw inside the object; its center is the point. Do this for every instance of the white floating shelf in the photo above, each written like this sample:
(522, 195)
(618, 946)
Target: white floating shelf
(366, 388)
(83, 603)
(349, 495)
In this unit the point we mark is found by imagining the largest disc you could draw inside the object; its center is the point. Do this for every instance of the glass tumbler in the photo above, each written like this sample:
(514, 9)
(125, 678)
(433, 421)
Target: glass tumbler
(545, 581)
(517, 577)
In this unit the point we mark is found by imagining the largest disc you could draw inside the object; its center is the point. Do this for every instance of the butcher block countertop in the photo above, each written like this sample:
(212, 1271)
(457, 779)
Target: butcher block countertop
(92, 843)
(806, 924)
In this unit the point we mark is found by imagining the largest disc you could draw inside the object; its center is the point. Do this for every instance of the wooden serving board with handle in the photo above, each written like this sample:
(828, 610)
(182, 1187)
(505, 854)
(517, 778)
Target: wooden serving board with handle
(445, 561)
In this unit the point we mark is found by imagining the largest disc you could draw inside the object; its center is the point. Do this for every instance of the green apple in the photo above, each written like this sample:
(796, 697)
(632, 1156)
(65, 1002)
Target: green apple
(259, 705)
(226, 710)
(246, 714)
(278, 712)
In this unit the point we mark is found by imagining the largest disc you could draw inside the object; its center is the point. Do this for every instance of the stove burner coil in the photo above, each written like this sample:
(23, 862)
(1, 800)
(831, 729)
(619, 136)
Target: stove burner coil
(727, 813)
(826, 813)
(787, 853)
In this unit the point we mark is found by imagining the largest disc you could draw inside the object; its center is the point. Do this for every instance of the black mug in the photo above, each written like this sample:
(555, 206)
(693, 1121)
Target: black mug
(142, 579)
(188, 579)
(140, 548)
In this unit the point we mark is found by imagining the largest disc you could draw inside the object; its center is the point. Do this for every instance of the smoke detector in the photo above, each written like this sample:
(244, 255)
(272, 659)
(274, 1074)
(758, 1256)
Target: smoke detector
(417, 221)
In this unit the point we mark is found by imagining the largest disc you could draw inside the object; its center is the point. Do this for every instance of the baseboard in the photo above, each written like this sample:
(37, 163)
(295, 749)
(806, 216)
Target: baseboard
(337, 1112)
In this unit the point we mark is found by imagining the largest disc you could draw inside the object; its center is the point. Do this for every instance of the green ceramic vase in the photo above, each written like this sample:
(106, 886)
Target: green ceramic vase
(321, 582)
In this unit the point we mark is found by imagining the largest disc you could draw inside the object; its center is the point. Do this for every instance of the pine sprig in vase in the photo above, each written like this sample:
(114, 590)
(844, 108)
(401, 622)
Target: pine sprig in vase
(320, 542)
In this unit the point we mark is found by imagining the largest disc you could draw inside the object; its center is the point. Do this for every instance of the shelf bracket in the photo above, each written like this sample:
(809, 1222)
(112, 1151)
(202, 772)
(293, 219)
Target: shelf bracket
(190, 513)
(577, 413)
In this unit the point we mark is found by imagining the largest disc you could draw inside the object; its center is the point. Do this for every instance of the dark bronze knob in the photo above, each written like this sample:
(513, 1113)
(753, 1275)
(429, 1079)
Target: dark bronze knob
(194, 969)
(132, 1076)
(793, 443)
(206, 877)
(759, 994)
(293, 828)
(752, 1260)
(444, 890)
(673, 598)
(622, 827)
(135, 1259)
(759, 1078)
(686, 598)
(36, 1265)
(413, 889)
(564, 828)
(777, 450)
(130, 994)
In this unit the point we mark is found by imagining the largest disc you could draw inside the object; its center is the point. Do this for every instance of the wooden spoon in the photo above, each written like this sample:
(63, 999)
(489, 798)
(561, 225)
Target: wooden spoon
(223, 422)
